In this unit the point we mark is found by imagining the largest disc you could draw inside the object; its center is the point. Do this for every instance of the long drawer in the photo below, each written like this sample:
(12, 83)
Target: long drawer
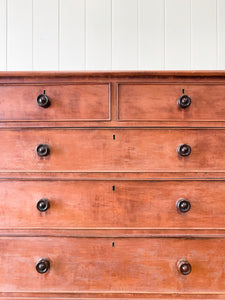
(160, 102)
(119, 150)
(104, 264)
(64, 102)
(112, 204)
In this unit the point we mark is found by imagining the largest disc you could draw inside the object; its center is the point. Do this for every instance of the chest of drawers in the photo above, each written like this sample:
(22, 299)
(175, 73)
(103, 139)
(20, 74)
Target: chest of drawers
(112, 185)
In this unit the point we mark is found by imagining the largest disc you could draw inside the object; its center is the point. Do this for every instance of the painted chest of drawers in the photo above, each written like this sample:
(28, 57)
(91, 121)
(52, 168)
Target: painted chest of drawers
(112, 185)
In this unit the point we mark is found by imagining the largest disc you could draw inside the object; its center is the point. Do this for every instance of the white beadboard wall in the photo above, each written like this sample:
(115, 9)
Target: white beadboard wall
(112, 35)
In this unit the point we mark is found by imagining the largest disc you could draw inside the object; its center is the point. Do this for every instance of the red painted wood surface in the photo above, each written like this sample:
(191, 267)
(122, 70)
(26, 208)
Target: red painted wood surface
(115, 204)
(158, 102)
(68, 102)
(94, 265)
(113, 178)
(82, 99)
(132, 150)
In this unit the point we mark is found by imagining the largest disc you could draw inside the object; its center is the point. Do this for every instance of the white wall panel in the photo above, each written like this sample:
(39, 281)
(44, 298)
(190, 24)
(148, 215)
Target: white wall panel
(19, 35)
(112, 34)
(3, 44)
(72, 35)
(124, 34)
(221, 34)
(203, 34)
(151, 34)
(45, 34)
(177, 34)
(98, 34)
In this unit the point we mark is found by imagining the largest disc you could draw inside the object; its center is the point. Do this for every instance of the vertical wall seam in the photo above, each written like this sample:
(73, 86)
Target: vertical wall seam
(32, 12)
(138, 34)
(164, 63)
(217, 36)
(85, 35)
(59, 27)
(6, 37)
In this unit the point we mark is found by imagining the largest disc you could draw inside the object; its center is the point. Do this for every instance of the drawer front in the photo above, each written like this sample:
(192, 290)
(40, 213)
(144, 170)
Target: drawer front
(114, 204)
(158, 102)
(96, 264)
(94, 150)
(67, 102)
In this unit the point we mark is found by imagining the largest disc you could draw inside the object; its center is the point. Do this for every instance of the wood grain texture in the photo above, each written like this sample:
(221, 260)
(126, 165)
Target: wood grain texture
(95, 150)
(113, 178)
(159, 102)
(112, 204)
(111, 296)
(68, 102)
(131, 265)
(150, 97)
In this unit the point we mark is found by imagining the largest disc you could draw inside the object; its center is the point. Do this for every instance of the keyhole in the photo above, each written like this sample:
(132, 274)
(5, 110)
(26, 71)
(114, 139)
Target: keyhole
(113, 188)
(114, 136)
(183, 91)
(113, 244)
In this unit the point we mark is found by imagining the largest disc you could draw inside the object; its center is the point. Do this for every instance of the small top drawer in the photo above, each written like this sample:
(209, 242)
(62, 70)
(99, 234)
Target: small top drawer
(61, 102)
(171, 102)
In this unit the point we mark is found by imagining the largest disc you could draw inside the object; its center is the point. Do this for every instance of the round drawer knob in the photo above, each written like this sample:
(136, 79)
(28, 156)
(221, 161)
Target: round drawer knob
(43, 150)
(43, 100)
(43, 265)
(184, 101)
(184, 267)
(183, 205)
(43, 205)
(184, 150)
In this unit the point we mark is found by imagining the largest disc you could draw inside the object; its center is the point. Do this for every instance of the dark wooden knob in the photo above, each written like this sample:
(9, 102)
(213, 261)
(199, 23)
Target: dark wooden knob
(43, 100)
(184, 101)
(184, 267)
(43, 265)
(183, 205)
(43, 150)
(43, 204)
(184, 150)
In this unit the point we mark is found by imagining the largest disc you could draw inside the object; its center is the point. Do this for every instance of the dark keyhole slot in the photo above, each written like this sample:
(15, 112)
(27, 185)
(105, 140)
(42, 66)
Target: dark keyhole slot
(114, 136)
(183, 91)
(113, 187)
(113, 244)
(44, 92)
